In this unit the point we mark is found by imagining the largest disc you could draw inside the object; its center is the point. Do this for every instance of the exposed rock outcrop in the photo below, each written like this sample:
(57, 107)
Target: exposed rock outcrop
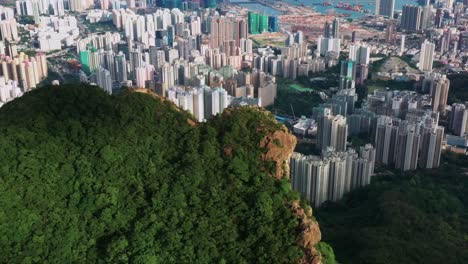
(280, 146)
(309, 233)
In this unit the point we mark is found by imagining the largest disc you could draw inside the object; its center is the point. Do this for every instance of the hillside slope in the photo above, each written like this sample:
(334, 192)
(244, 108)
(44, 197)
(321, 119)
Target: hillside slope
(90, 178)
(414, 217)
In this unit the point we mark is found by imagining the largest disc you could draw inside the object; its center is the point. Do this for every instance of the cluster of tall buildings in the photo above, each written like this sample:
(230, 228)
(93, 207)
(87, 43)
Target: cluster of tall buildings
(178, 48)
(259, 23)
(294, 38)
(25, 71)
(35, 8)
(332, 130)
(20, 74)
(8, 25)
(438, 23)
(55, 32)
(293, 61)
(359, 54)
(416, 18)
(404, 125)
(409, 144)
(329, 45)
(106, 57)
(329, 177)
(192, 4)
(204, 102)
(395, 103)
(9, 90)
(341, 103)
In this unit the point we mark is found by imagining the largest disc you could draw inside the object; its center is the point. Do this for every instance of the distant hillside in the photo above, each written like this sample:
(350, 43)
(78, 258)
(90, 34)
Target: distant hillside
(86, 177)
(417, 217)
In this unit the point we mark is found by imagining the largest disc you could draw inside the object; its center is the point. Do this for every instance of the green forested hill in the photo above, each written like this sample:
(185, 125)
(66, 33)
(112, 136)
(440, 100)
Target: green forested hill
(90, 178)
(416, 217)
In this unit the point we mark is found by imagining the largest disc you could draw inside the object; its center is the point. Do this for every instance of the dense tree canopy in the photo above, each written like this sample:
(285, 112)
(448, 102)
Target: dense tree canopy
(86, 177)
(415, 217)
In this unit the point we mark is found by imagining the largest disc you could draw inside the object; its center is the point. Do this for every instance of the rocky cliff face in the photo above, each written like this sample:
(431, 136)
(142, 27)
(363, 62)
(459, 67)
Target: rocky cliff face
(279, 148)
(309, 234)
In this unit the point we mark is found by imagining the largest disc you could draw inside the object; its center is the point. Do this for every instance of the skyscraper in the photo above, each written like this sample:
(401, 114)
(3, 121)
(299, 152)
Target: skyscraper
(439, 93)
(426, 56)
(327, 31)
(402, 44)
(103, 79)
(329, 177)
(407, 148)
(336, 28)
(348, 73)
(336, 176)
(120, 67)
(332, 131)
(385, 8)
(359, 54)
(309, 176)
(431, 143)
(385, 140)
(273, 24)
(411, 18)
(459, 119)
(84, 59)
(259, 23)
(426, 17)
(390, 31)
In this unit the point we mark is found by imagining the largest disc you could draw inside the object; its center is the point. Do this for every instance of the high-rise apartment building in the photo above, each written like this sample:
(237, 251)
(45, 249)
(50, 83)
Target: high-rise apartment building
(325, 46)
(385, 140)
(407, 147)
(402, 44)
(390, 31)
(215, 101)
(431, 145)
(459, 119)
(329, 177)
(411, 18)
(103, 79)
(348, 74)
(25, 71)
(426, 56)
(336, 28)
(332, 131)
(440, 86)
(359, 54)
(409, 143)
(426, 17)
(309, 176)
(385, 8)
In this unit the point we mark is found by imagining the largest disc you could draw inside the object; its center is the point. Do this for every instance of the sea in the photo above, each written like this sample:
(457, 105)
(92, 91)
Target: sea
(326, 9)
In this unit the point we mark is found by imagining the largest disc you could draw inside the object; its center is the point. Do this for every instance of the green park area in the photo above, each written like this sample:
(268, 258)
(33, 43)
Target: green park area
(293, 98)
(300, 88)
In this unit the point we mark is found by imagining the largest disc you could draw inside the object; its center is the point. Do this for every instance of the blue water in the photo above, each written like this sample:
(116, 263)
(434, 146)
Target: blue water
(263, 9)
(370, 5)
